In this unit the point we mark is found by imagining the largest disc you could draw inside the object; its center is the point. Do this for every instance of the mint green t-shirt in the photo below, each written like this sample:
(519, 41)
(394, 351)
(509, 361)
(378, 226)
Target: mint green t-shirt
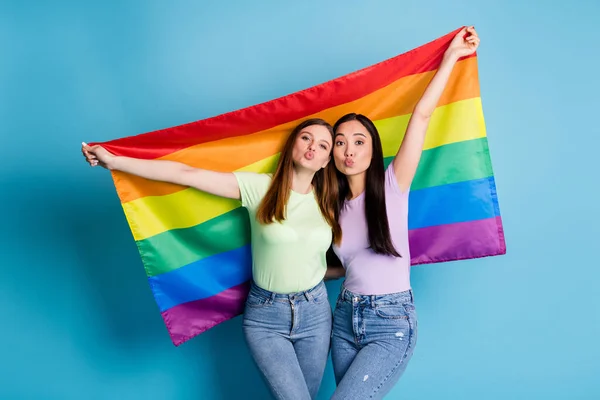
(287, 257)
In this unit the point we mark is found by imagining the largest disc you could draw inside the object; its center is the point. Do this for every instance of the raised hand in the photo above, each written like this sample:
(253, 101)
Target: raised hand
(464, 43)
(97, 155)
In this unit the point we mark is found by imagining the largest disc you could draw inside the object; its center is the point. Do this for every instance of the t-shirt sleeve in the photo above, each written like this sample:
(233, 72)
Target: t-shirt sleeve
(253, 188)
(391, 183)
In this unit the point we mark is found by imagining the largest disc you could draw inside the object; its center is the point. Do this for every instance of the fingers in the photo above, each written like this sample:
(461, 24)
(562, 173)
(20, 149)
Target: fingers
(86, 150)
(93, 161)
(467, 31)
(88, 154)
(96, 155)
(473, 41)
(468, 34)
(472, 32)
(472, 38)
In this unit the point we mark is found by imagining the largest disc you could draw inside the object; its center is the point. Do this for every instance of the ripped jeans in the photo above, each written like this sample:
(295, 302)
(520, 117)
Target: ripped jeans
(373, 340)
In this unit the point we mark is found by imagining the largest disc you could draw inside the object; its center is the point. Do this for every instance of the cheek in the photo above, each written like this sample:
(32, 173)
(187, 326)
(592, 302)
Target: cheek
(323, 156)
(365, 153)
(338, 157)
(298, 146)
(364, 157)
(297, 151)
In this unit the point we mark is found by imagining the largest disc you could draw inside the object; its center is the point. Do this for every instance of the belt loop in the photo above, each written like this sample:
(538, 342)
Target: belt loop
(308, 295)
(272, 298)
(372, 301)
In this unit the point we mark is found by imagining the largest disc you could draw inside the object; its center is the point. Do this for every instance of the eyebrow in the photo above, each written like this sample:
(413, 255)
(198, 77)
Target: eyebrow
(354, 134)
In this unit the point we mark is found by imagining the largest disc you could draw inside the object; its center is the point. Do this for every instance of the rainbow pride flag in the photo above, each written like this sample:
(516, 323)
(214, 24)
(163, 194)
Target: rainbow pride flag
(195, 247)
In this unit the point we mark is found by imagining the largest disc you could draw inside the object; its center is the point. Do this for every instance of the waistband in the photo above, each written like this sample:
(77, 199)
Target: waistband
(309, 294)
(376, 299)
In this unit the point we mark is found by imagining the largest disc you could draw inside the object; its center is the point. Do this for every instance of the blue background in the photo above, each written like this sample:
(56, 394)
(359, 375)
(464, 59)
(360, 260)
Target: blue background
(78, 317)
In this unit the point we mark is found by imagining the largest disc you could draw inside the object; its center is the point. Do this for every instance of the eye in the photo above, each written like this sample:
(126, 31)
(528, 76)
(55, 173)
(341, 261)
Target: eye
(339, 143)
(323, 147)
(305, 137)
(359, 142)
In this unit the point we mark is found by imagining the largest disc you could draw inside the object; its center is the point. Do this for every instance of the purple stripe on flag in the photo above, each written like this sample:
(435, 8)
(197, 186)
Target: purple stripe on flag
(190, 319)
(458, 241)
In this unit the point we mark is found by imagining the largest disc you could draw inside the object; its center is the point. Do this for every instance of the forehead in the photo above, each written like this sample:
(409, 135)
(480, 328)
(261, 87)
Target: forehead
(319, 132)
(351, 127)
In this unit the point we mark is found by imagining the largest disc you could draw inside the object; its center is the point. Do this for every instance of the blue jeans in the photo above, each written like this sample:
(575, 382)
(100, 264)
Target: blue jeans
(372, 341)
(289, 337)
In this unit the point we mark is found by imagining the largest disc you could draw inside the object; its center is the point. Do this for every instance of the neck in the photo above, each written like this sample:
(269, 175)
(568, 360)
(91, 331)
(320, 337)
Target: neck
(302, 180)
(357, 184)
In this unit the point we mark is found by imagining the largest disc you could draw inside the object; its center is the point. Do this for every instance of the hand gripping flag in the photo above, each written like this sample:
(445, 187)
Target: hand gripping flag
(195, 246)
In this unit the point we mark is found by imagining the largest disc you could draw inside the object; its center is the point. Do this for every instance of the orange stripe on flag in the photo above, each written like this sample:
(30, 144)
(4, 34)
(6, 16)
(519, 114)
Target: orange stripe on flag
(398, 98)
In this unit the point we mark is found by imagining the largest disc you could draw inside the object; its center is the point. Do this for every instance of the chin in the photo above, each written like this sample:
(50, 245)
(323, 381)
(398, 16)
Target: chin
(351, 171)
(309, 165)
(345, 170)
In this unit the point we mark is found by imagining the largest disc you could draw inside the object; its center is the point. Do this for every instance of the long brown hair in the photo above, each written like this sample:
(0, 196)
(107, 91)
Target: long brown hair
(273, 205)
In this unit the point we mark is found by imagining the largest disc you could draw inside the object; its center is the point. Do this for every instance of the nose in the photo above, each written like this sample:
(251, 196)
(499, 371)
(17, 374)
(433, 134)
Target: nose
(349, 152)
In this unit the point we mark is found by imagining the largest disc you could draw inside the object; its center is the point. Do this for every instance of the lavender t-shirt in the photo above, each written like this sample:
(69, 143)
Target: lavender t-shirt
(367, 272)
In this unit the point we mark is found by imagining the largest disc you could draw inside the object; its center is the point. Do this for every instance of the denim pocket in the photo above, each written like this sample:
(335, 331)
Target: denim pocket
(257, 301)
(397, 311)
(409, 307)
(321, 298)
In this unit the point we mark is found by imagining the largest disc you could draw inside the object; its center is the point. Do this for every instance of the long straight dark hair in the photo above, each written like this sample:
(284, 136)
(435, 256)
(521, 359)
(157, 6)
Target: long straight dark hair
(375, 208)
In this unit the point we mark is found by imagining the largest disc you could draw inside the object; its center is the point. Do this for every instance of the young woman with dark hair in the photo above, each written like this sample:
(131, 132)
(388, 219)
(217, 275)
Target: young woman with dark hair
(375, 322)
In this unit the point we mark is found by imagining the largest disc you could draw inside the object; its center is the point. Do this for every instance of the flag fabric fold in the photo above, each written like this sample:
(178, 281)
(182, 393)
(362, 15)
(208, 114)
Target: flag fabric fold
(195, 247)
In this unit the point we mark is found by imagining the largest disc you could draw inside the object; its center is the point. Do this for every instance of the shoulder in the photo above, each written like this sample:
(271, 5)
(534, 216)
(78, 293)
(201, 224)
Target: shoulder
(253, 178)
(391, 182)
(253, 187)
